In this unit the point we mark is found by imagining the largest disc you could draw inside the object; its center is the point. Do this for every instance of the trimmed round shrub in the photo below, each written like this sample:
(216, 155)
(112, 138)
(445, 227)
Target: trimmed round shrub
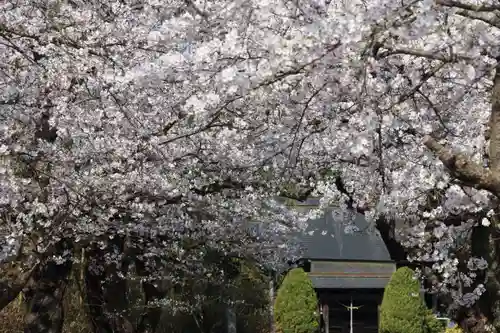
(403, 310)
(296, 305)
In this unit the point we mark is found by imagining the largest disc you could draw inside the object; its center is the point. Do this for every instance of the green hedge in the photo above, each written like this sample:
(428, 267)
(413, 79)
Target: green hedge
(403, 310)
(296, 305)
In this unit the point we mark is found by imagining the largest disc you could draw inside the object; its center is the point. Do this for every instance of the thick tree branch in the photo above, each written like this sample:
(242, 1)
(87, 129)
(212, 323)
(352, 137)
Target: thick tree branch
(494, 123)
(465, 170)
(494, 21)
(461, 5)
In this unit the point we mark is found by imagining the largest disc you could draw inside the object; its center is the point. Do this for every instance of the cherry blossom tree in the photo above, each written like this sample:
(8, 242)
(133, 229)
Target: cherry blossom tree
(151, 130)
(118, 141)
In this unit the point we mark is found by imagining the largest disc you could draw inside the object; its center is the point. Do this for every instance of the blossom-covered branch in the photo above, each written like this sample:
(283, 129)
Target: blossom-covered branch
(461, 166)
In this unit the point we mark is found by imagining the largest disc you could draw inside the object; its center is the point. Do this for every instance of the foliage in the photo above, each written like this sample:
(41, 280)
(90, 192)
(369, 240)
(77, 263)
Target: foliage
(251, 292)
(434, 325)
(206, 303)
(455, 329)
(296, 304)
(403, 310)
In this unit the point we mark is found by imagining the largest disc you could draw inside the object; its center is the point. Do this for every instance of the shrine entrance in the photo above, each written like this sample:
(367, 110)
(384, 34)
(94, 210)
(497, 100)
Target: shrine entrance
(342, 308)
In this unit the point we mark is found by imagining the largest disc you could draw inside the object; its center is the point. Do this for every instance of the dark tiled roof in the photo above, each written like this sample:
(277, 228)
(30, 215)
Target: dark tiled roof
(331, 237)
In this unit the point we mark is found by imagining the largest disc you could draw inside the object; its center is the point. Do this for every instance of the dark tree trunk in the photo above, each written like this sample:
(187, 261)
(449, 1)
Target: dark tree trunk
(105, 291)
(486, 310)
(153, 292)
(387, 229)
(93, 292)
(493, 283)
(13, 278)
(44, 295)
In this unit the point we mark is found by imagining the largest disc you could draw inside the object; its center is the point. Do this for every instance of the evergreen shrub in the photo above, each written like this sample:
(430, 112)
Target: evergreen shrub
(403, 310)
(296, 305)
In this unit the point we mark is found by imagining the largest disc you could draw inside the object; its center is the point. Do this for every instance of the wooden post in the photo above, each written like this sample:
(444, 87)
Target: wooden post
(378, 313)
(351, 308)
(326, 317)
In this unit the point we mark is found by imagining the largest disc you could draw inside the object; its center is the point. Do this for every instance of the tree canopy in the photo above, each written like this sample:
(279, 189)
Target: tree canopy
(176, 123)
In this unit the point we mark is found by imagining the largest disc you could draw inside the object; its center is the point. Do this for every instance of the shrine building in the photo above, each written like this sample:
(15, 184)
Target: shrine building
(348, 264)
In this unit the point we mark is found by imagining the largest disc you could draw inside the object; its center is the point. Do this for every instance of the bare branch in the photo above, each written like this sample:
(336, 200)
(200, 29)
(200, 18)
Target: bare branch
(424, 54)
(197, 10)
(437, 112)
